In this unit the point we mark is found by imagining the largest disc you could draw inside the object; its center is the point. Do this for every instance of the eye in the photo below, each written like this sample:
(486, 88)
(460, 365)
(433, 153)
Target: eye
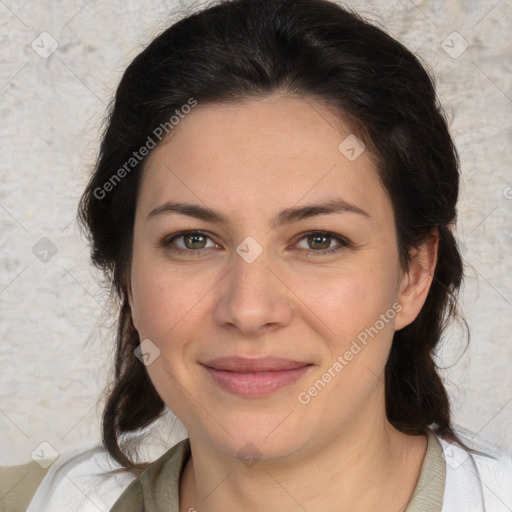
(195, 242)
(322, 240)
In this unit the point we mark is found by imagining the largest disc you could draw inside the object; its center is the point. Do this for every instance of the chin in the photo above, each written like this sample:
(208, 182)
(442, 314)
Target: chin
(255, 435)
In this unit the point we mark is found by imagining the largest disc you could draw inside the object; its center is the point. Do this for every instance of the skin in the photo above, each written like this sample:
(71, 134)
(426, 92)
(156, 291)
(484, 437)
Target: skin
(249, 160)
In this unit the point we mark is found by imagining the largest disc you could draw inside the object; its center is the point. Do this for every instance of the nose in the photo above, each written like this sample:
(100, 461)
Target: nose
(254, 297)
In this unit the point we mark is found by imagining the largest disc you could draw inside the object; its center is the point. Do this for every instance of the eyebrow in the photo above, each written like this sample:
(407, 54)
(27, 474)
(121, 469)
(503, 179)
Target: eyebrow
(286, 216)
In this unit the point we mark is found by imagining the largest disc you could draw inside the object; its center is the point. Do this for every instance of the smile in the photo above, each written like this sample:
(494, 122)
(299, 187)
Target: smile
(255, 377)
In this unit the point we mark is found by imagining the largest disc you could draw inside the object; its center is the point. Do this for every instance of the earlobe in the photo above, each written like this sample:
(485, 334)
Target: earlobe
(417, 280)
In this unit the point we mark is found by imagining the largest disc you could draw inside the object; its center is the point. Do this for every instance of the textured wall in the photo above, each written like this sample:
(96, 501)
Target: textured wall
(55, 349)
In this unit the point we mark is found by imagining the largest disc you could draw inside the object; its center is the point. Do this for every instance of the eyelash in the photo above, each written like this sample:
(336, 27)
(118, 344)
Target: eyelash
(343, 243)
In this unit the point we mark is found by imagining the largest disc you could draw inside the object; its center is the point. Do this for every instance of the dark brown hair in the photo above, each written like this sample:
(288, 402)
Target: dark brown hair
(240, 49)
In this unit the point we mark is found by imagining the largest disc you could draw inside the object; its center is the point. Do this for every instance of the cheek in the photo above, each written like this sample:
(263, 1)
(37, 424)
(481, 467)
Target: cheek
(167, 306)
(160, 299)
(151, 305)
(173, 309)
(349, 301)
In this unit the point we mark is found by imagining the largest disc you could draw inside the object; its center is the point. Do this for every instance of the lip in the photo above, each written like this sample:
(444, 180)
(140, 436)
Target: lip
(255, 377)
(261, 364)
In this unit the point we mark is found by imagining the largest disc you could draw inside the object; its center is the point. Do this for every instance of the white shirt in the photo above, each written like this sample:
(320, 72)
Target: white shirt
(74, 482)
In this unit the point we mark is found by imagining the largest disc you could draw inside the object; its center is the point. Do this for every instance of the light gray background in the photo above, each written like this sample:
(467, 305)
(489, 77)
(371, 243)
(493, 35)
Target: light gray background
(55, 342)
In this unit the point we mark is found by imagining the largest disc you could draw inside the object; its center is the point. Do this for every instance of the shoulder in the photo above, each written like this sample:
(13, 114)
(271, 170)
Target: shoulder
(158, 485)
(483, 478)
(79, 480)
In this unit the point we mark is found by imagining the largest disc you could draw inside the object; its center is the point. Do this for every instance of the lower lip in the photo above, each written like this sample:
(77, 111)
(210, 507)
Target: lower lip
(256, 384)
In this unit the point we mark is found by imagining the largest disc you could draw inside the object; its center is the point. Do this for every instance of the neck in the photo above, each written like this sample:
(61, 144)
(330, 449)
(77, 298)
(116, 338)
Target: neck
(371, 466)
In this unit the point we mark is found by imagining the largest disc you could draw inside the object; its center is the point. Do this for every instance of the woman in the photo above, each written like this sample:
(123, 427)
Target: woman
(273, 204)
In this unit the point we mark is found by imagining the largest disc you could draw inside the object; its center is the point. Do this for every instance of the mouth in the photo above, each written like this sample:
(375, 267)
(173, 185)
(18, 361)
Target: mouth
(255, 377)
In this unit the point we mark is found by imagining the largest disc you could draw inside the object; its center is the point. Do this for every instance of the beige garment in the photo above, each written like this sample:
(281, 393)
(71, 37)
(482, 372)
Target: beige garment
(157, 488)
(18, 484)
(429, 491)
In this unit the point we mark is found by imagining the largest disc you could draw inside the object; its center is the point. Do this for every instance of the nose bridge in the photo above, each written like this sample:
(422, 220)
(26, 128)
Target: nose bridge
(254, 296)
(251, 271)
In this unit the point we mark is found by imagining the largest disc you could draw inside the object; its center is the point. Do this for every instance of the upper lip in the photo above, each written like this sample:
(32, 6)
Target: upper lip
(263, 364)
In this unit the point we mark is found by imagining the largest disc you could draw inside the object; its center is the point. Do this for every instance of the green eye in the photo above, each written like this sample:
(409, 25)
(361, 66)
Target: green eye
(194, 242)
(322, 240)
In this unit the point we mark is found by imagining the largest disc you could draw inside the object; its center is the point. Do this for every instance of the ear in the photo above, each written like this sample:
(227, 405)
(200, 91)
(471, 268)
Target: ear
(416, 282)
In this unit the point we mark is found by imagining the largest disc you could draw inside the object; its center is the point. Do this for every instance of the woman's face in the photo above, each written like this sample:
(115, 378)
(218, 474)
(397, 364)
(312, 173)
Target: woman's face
(260, 285)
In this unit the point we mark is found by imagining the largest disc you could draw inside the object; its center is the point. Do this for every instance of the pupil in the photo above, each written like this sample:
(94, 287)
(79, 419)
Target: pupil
(318, 237)
(194, 238)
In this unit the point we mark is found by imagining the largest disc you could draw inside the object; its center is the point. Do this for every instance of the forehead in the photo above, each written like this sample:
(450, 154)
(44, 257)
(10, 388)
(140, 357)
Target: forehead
(257, 154)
